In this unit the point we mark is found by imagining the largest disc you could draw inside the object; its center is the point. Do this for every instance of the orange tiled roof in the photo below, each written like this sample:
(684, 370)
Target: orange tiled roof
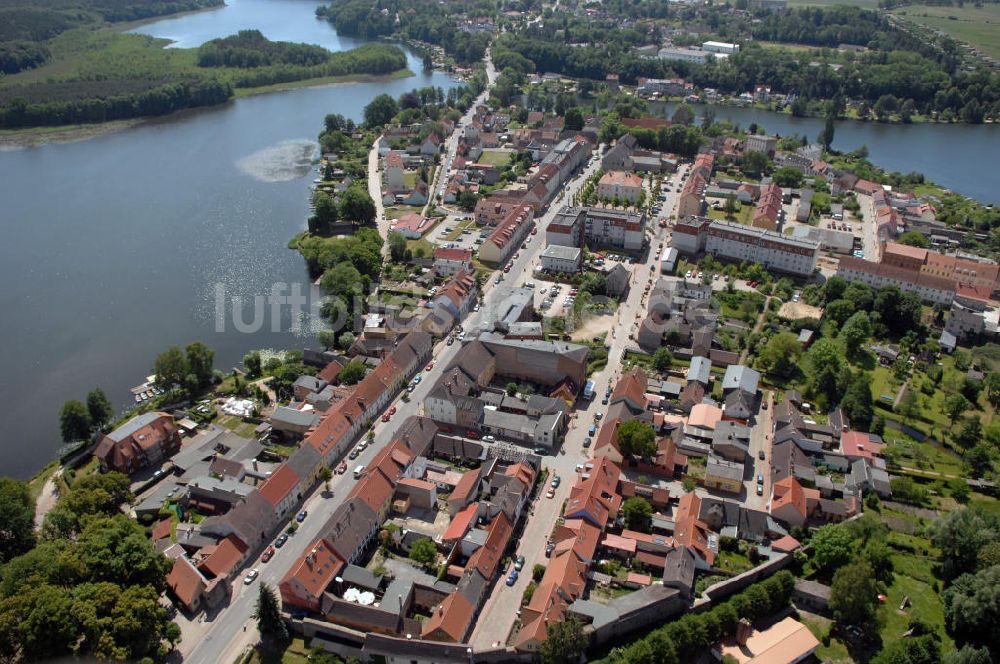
(281, 483)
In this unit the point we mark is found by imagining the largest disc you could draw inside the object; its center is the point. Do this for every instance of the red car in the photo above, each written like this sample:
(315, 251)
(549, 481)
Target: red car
(430, 366)
(385, 417)
(342, 468)
(392, 411)
(534, 231)
(574, 291)
(506, 268)
(268, 554)
(472, 434)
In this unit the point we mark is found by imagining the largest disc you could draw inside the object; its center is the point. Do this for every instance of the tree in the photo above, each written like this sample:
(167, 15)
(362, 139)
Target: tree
(914, 239)
(573, 120)
(380, 110)
(879, 556)
(636, 439)
(200, 362)
(537, 572)
(824, 368)
(968, 655)
(833, 546)
(397, 246)
(730, 208)
(467, 200)
(17, 519)
(857, 402)
(565, 642)
(352, 373)
(970, 433)
(781, 355)
(273, 629)
(755, 162)
(909, 406)
(99, 408)
(854, 594)
(170, 368)
(511, 389)
(638, 514)
(424, 552)
(856, 331)
(357, 206)
(955, 405)
(74, 421)
(325, 214)
(662, 358)
(959, 535)
(825, 137)
(923, 649)
(992, 384)
(972, 608)
(786, 176)
(251, 362)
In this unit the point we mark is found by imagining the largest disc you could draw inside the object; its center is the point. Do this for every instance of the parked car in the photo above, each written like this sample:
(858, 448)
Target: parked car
(586, 442)
(760, 479)
(268, 554)
(760, 489)
(555, 482)
(592, 430)
(301, 516)
(760, 455)
(341, 468)
(251, 576)
(512, 578)
(519, 563)
(280, 542)
(550, 494)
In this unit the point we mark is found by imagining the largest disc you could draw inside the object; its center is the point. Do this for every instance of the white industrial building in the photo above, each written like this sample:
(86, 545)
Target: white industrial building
(720, 47)
(557, 258)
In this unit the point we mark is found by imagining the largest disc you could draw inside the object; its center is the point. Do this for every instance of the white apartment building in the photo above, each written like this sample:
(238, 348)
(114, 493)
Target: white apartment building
(732, 241)
(557, 258)
(720, 47)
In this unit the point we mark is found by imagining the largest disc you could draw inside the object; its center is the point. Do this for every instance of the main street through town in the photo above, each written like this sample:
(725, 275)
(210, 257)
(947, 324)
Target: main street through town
(223, 636)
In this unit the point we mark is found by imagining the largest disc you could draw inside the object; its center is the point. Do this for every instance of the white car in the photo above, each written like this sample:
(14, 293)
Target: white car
(251, 576)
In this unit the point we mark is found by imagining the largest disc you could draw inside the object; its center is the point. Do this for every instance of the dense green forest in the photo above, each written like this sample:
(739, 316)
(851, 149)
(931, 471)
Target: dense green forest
(23, 24)
(249, 48)
(434, 23)
(897, 74)
(119, 76)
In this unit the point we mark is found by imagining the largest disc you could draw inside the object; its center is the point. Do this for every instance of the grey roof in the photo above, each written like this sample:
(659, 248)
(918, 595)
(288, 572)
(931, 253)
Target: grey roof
(361, 577)
(304, 461)
(700, 369)
(739, 404)
(398, 589)
(719, 467)
(311, 383)
(678, 571)
(250, 519)
(473, 586)
(283, 415)
(496, 419)
(349, 526)
(561, 252)
(133, 425)
(739, 377)
(600, 615)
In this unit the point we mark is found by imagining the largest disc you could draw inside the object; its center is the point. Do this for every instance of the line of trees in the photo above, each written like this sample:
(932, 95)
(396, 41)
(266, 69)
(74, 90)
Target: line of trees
(685, 639)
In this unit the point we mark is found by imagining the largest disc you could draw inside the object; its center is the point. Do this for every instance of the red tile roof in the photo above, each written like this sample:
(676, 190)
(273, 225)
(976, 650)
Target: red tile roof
(224, 559)
(185, 581)
(161, 530)
(487, 557)
(281, 483)
(460, 524)
(450, 620)
(310, 575)
(452, 254)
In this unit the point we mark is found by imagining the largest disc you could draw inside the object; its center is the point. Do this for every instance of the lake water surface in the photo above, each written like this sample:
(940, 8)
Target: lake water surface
(113, 248)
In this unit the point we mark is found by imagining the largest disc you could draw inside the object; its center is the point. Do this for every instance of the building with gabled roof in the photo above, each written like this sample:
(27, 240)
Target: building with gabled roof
(450, 620)
(280, 490)
(142, 442)
(310, 575)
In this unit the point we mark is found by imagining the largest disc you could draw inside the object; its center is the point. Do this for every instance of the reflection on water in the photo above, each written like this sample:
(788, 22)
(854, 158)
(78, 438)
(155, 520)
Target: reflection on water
(288, 160)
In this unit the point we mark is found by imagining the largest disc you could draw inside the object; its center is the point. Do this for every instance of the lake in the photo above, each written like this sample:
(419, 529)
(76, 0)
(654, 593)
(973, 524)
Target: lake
(115, 247)
(960, 157)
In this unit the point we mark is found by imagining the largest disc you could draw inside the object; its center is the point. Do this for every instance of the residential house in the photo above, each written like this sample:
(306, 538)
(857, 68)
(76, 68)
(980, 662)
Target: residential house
(620, 186)
(143, 442)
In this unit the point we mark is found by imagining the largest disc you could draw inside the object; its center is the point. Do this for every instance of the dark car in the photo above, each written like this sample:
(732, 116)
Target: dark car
(280, 542)
(760, 455)
(586, 442)
(301, 516)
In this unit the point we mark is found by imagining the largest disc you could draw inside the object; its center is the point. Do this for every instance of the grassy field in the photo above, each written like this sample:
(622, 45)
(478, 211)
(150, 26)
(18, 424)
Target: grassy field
(978, 26)
(864, 4)
(494, 157)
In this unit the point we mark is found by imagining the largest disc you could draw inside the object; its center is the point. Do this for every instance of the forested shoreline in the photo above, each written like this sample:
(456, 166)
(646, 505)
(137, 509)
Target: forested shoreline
(183, 78)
